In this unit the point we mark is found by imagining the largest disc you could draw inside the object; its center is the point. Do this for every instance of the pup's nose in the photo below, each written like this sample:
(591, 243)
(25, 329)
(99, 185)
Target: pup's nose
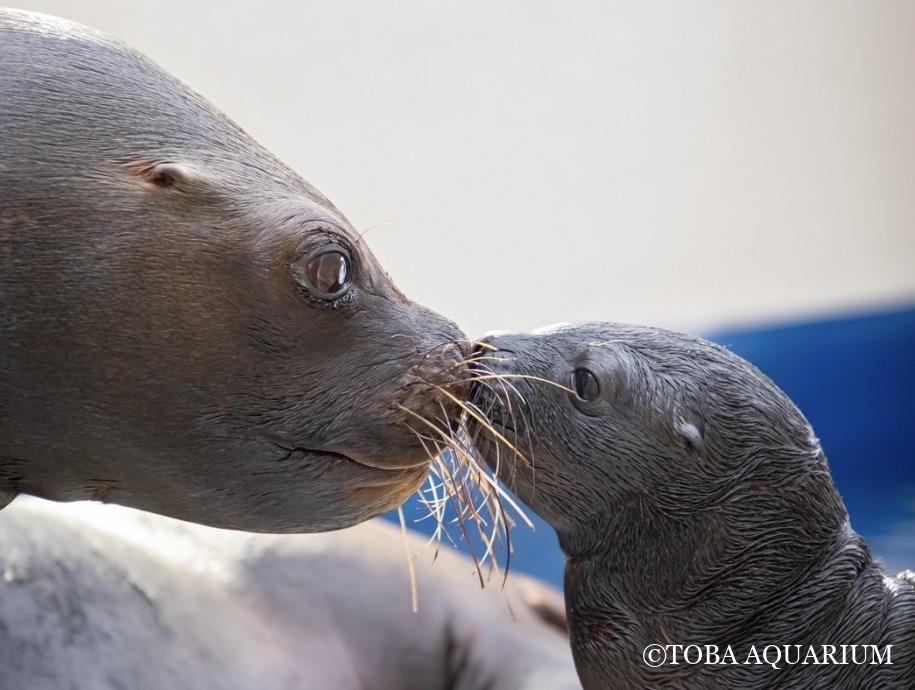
(492, 355)
(494, 345)
(493, 341)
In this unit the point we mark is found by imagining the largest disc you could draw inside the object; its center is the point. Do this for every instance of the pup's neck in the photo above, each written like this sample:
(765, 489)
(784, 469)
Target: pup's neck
(769, 565)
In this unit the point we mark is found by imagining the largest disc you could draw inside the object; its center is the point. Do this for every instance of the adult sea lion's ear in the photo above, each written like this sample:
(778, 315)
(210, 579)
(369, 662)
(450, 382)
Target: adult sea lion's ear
(171, 175)
(183, 177)
(691, 436)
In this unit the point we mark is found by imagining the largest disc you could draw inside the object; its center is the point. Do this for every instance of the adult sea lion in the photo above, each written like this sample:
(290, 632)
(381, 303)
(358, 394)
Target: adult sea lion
(695, 507)
(106, 598)
(187, 326)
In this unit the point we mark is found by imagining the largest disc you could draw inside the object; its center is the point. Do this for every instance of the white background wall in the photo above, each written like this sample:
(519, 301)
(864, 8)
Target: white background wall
(686, 164)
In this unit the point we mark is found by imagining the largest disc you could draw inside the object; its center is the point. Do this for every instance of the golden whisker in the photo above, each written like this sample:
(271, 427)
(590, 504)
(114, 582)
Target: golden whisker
(472, 470)
(529, 377)
(414, 594)
(437, 508)
(458, 479)
(476, 359)
(479, 471)
(492, 375)
(493, 483)
(460, 492)
(505, 385)
(483, 421)
(469, 543)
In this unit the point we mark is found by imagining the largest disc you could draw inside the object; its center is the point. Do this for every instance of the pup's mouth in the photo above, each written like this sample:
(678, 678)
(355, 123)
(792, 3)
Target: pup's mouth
(492, 408)
(500, 417)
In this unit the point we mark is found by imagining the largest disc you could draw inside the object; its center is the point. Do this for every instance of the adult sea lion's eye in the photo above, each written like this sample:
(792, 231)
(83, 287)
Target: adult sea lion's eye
(328, 273)
(585, 384)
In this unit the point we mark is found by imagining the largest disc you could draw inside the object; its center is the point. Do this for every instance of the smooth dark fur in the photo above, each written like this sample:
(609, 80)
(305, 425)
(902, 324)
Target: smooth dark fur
(695, 506)
(155, 348)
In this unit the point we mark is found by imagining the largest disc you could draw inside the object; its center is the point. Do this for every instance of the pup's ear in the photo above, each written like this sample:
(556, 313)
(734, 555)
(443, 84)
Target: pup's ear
(691, 436)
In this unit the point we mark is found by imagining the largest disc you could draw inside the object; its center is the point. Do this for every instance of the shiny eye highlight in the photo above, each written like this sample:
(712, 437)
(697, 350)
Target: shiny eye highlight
(328, 274)
(585, 384)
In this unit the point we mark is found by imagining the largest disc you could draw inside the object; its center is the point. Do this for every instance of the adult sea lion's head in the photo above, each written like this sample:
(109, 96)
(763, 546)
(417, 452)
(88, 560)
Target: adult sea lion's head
(187, 326)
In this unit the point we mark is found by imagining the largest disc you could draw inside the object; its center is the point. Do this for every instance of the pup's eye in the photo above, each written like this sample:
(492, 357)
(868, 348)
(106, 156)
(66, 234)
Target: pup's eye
(328, 274)
(585, 384)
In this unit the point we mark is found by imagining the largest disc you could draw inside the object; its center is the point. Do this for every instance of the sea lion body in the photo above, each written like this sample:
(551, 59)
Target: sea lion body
(163, 344)
(695, 507)
(106, 598)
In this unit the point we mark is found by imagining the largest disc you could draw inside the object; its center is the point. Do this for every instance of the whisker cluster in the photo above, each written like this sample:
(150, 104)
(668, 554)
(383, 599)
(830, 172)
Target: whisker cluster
(462, 493)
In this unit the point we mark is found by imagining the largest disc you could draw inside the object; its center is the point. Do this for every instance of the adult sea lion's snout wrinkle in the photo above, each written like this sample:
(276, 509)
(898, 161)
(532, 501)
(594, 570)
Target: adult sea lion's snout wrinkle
(443, 371)
(185, 321)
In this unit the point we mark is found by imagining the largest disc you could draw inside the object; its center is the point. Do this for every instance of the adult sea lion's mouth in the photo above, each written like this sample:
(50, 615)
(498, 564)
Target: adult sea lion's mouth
(386, 464)
(390, 462)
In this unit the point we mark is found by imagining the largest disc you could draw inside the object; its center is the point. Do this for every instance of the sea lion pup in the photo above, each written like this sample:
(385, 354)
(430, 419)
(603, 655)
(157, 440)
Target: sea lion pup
(187, 326)
(105, 598)
(695, 507)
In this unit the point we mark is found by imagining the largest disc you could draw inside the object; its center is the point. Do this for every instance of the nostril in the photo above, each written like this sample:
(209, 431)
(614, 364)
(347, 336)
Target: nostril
(493, 355)
(489, 342)
(481, 361)
(479, 348)
(496, 344)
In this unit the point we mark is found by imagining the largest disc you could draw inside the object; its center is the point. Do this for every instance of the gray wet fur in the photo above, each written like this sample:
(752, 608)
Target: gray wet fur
(156, 349)
(107, 598)
(695, 506)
